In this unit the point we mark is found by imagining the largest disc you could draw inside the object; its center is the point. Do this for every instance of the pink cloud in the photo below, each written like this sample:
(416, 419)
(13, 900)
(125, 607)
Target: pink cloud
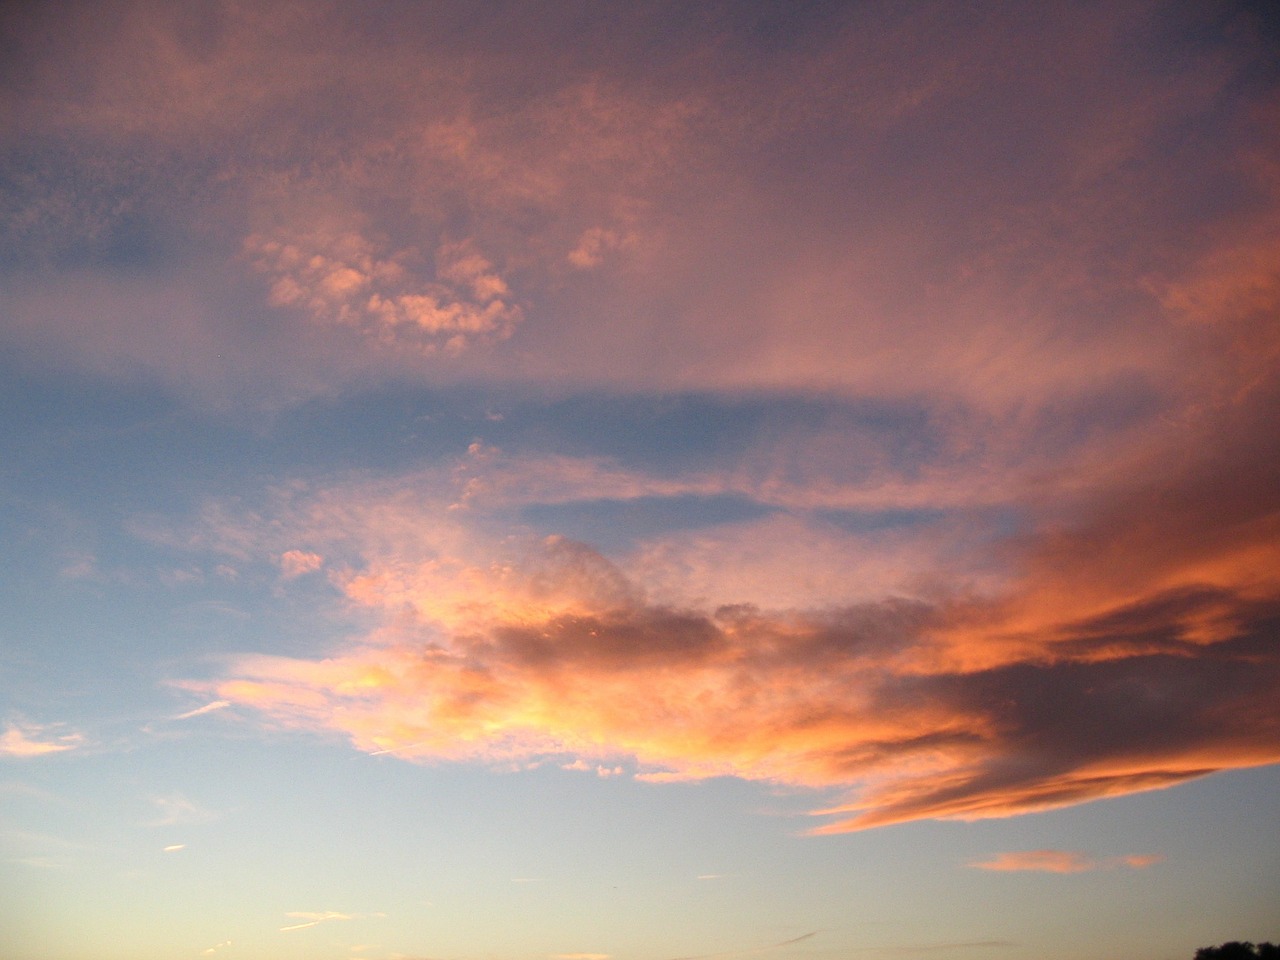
(340, 277)
(922, 705)
(295, 563)
(35, 740)
(688, 227)
(598, 192)
(1061, 861)
(1120, 645)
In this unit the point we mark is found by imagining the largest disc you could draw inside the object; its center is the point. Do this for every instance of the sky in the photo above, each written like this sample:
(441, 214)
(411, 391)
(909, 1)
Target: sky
(650, 481)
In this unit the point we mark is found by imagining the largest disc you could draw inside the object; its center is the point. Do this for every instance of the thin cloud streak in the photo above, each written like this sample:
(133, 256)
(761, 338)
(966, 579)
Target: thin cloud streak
(176, 809)
(750, 951)
(311, 919)
(1061, 861)
(940, 947)
(201, 711)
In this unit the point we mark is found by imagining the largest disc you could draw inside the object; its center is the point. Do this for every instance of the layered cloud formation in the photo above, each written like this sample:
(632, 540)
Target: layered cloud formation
(1021, 261)
(1128, 641)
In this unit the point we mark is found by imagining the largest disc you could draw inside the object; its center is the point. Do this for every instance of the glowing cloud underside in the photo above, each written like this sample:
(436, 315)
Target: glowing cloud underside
(1134, 650)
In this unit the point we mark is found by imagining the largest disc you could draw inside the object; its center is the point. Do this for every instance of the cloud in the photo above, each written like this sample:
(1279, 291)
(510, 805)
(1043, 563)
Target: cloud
(911, 950)
(595, 245)
(177, 809)
(295, 563)
(1139, 861)
(201, 711)
(1026, 321)
(39, 863)
(311, 919)
(339, 279)
(753, 950)
(175, 847)
(802, 217)
(23, 740)
(600, 770)
(579, 956)
(1123, 641)
(1061, 861)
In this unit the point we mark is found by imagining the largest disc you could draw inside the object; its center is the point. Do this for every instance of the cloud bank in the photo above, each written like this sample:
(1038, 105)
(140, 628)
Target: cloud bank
(1031, 248)
(1130, 644)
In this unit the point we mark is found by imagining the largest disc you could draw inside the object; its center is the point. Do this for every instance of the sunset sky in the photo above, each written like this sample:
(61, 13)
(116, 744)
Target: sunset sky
(639, 481)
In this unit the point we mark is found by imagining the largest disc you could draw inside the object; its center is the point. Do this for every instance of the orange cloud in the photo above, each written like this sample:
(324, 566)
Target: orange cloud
(1126, 644)
(337, 277)
(561, 660)
(1061, 861)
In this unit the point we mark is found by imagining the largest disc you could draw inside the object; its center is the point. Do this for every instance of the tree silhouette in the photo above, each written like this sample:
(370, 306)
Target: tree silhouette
(1235, 950)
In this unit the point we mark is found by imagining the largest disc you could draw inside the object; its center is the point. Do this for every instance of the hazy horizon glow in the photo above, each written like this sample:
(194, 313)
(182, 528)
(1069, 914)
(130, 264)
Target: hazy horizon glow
(570, 482)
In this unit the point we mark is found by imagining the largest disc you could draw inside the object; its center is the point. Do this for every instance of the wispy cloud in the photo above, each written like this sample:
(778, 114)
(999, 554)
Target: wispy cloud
(25, 740)
(175, 808)
(749, 951)
(40, 863)
(312, 918)
(908, 950)
(1062, 861)
(308, 918)
(201, 711)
